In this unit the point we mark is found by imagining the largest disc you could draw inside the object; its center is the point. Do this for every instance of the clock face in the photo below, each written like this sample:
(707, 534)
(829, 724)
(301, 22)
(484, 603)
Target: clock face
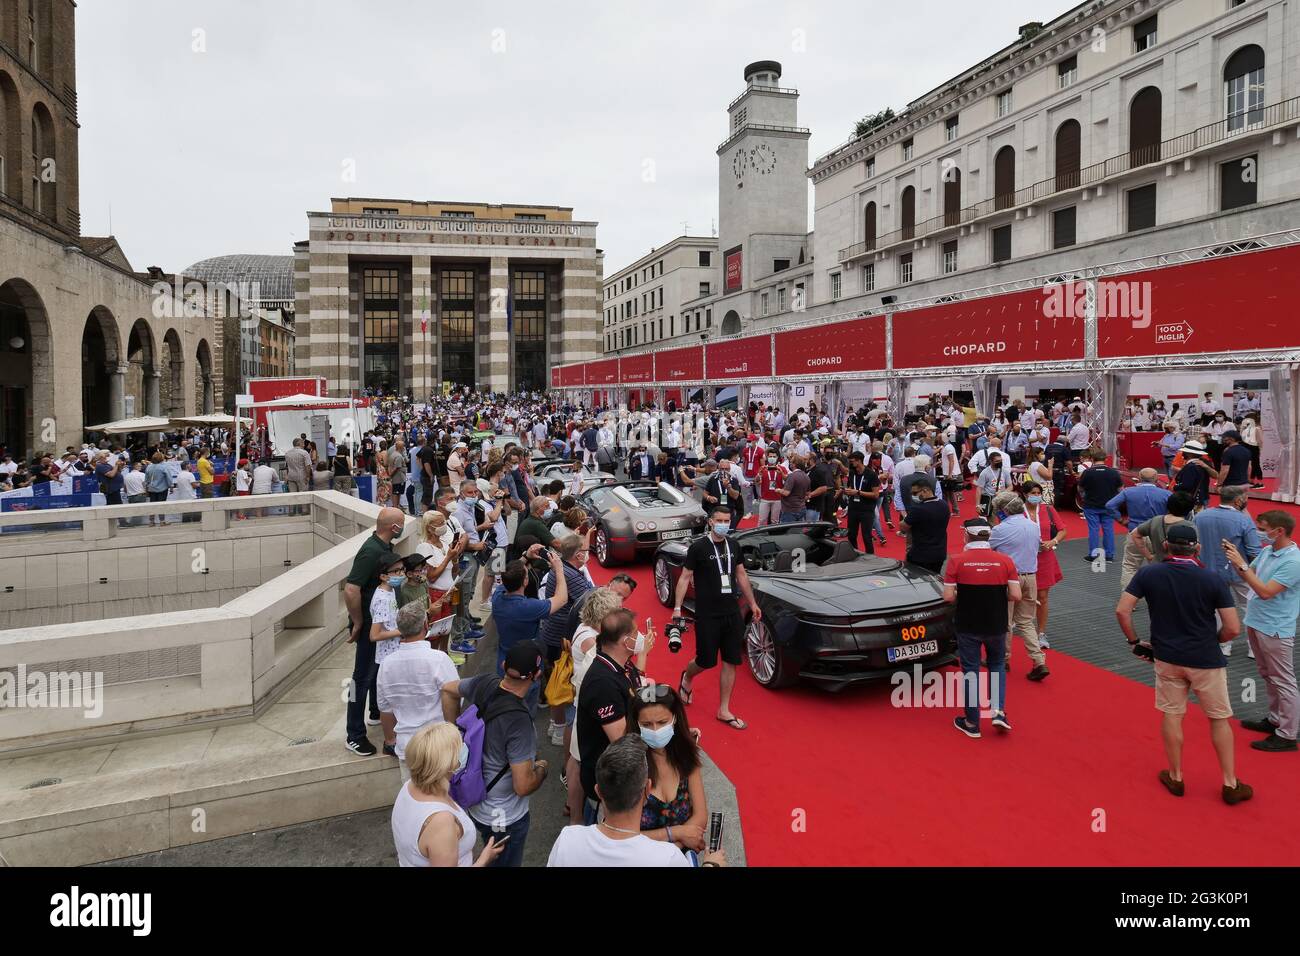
(762, 158)
(739, 162)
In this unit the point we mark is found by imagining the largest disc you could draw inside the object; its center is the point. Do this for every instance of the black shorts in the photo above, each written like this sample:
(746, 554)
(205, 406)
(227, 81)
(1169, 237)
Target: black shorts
(426, 493)
(711, 633)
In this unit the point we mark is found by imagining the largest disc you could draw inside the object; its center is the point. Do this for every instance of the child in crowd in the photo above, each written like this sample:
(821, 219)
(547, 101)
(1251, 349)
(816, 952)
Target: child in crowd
(383, 618)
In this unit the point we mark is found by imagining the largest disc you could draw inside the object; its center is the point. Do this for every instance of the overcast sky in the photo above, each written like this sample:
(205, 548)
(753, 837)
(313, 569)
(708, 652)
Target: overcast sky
(225, 150)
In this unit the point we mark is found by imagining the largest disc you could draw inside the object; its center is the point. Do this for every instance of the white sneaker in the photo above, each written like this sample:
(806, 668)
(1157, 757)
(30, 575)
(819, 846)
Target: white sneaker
(1251, 653)
(557, 734)
(1227, 649)
(1042, 641)
(373, 722)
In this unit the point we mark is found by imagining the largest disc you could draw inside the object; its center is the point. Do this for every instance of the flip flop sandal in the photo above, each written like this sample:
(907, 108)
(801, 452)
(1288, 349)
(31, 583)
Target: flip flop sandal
(686, 695)
(734, 722)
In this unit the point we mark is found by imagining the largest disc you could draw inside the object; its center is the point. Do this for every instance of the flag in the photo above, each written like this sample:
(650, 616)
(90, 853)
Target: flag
(510, 311)
(424, 315)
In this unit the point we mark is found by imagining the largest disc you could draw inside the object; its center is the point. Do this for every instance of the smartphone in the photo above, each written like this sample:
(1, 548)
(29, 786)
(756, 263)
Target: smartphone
(716, 820)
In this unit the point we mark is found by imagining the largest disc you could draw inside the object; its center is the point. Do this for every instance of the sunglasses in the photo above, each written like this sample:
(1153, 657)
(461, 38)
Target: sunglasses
(654, 693)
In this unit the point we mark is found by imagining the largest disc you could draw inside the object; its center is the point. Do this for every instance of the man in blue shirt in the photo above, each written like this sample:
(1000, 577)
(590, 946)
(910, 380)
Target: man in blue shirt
(1183, 599)
(1140, 503)
(1274, 577)
(1228, 523)
(516, 616)
(1019, 538)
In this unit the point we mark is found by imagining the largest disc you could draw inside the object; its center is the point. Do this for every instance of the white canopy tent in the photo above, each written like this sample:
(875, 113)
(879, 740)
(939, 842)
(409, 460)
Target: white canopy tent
(289, 417)
(213, 419)
(126, 425)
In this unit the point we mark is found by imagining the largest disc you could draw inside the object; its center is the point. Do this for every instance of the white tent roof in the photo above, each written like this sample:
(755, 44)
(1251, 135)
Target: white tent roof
(126, 425)
(297, 401)
(214, 419)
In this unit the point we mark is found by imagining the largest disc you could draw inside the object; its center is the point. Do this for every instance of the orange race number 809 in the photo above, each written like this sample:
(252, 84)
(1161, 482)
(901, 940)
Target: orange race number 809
(914, 633)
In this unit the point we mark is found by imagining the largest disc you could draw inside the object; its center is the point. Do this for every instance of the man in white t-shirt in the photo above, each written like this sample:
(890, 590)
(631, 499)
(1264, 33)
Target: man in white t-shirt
(1079, 437)
(456, 466)
(623, 783)
(409, 686)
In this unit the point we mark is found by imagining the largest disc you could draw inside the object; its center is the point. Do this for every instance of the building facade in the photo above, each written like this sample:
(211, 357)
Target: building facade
(1121, 130)
(83, 338)
(414, 297)
(263, 327)
(644, 302)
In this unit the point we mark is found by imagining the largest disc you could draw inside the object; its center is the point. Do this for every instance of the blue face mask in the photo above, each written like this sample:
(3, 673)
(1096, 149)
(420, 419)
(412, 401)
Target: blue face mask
(1035, 499)
(722, 527)
(657, 739)
(395, 581)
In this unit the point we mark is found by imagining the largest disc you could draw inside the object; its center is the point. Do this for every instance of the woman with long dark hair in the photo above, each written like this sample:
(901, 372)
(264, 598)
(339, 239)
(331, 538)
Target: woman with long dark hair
(676, 810)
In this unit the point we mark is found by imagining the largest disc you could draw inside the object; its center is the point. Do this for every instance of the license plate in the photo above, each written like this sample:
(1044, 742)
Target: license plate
(666, 535)
(910, 652)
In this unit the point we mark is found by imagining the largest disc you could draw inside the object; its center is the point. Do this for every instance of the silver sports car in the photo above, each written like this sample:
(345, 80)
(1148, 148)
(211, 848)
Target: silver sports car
(632, 517)
(568, 472)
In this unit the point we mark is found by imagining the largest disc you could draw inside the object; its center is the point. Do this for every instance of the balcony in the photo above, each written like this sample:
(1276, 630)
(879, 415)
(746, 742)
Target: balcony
(1255, 121)
(756, 126)
(785, 91)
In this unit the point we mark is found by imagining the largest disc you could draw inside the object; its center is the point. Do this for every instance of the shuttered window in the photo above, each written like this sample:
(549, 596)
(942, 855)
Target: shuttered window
(1142, 207)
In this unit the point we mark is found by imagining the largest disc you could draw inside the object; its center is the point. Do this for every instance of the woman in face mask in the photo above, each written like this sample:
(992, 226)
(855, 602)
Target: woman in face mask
(429, 827)
(1051, 532)
(676, 810)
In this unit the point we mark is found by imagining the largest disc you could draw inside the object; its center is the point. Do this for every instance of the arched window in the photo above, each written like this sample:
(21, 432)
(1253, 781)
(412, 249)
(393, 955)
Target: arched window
(1067, 155)
(1004, 178)
(869, 226)
(1144, 127)
(44, 163)
(1243, 88)
(952, 196)
(909, 212)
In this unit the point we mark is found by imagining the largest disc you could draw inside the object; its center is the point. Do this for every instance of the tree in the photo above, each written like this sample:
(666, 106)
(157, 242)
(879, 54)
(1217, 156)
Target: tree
(872, 122)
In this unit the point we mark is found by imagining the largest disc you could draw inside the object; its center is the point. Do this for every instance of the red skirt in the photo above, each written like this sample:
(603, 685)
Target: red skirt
(1049, 570)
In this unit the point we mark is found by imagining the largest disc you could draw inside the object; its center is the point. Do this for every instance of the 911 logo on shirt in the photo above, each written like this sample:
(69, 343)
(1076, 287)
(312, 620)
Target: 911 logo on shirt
(603, 712)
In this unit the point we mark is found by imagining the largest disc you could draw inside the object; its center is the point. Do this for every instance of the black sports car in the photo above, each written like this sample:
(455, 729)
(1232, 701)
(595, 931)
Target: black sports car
(830, 615)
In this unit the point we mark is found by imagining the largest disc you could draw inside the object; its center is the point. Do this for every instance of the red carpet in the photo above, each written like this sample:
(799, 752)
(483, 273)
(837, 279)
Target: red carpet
(851, 780)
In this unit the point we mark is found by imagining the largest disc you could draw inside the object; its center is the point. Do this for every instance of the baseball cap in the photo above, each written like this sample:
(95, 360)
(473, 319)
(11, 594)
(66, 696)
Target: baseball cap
(524, 659)
(1181, 534)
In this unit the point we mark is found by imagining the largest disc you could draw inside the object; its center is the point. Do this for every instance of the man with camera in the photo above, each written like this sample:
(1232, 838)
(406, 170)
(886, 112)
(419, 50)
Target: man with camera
(723, 491)
(1183, 598)
(714, 565)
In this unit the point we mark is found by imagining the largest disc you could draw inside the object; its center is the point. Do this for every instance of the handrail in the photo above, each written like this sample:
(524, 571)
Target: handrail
(786, 90)
(761, 126)
(1251, 122)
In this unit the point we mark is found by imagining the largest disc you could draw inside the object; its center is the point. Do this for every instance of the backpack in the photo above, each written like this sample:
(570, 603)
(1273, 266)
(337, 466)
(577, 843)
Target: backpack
(467, 784)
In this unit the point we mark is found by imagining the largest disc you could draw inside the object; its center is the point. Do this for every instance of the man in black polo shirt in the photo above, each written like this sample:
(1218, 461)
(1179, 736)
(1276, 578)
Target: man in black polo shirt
(714, 566)
(604, 695)
(1099, 484)
(1183, 598)
(861, 491)
(926, 524)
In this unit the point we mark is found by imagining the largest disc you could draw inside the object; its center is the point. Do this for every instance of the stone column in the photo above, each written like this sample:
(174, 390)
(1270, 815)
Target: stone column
(580, 312)
(116, 391)
(153, 392)
(423, 345)
(208, 402)
(498, 337)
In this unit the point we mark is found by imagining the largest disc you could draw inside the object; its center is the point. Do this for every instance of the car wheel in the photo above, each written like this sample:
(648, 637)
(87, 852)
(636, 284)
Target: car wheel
(766, 661)
(603, 554)
(663, 582)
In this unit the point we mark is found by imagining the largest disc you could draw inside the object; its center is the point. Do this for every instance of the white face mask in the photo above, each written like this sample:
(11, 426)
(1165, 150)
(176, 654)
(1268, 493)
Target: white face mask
(638, 646)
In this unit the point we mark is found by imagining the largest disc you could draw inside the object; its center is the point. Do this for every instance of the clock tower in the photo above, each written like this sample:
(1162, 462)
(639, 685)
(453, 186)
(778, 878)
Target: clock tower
(762, 181)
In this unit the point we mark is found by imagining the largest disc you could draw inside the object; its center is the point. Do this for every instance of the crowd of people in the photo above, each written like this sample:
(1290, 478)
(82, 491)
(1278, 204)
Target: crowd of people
(494, 538)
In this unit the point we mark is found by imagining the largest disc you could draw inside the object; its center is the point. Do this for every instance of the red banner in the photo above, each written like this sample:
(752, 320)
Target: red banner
(571, 375)
(680, 365)
(604, 372)
(1223, 304)
(740, 358)
(1039, 325)
(633, 369)
(674, 395)
(555, 376)
(735, 269)
(854, 346)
